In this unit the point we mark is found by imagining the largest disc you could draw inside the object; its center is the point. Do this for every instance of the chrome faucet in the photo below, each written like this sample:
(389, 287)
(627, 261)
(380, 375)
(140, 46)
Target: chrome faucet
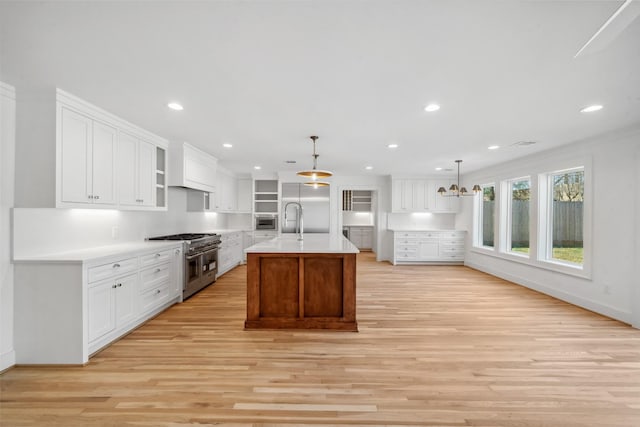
(299, 218)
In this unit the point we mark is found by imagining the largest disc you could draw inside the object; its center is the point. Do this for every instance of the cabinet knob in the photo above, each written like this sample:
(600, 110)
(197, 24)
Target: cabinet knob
(158, 270)
(177, 251)
(119, 285)
(114, 286)
(96, 197)
(89, 196)
(116, 265)
(158, 255)
(158, 291)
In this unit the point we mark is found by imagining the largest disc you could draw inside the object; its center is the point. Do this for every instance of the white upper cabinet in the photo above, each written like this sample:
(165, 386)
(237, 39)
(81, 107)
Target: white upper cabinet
(192, 168)
(103, 161)
(88, 150)
(421, 195)
(226, 197)
(245, 195)
(136, 171)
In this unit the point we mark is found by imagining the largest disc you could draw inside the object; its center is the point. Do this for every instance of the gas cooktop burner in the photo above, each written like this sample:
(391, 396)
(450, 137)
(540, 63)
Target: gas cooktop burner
(184, 236)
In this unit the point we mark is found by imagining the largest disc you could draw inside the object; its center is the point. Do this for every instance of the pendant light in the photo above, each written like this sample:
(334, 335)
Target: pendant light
(456, 190)
(315, 173)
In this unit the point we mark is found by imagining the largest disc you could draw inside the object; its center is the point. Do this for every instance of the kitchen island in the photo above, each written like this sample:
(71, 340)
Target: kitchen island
(308, 284)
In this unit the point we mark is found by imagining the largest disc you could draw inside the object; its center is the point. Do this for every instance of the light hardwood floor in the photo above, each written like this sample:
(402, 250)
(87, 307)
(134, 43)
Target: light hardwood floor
(438, 346)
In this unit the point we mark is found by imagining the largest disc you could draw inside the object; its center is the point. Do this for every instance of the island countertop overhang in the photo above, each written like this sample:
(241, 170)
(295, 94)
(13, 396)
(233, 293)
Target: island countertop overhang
(311, 243)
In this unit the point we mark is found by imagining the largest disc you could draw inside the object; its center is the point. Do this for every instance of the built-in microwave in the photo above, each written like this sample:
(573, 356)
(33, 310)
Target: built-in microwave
(266, 222)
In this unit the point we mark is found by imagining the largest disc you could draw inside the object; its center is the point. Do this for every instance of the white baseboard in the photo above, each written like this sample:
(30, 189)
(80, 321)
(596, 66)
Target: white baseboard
(7, 359)
(585, 303)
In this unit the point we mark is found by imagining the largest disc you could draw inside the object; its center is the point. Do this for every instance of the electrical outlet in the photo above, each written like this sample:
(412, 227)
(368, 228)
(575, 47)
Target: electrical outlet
(114, 232)
(607, 289)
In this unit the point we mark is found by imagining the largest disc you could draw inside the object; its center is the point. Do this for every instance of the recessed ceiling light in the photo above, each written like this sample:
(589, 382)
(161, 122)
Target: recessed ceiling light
(523, 143)
(227, 145)
(438, 169)
(392, 146)
(257, 168)
(431, 108)
(591, 108)
(368, 167)
(493, 147)
(175, 106)
(290, 162)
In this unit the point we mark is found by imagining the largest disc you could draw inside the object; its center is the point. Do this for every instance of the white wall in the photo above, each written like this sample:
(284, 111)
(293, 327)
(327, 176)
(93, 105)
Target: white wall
(615, 191)
(48, 230)
(7, 162)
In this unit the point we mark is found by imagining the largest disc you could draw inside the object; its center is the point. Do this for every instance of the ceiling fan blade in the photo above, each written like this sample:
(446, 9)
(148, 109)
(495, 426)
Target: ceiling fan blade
(611, 29)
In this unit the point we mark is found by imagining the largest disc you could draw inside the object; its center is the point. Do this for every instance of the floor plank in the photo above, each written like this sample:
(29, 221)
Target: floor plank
(438, 346)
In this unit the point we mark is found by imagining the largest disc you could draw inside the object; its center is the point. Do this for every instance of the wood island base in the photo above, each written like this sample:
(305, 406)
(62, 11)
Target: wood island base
(301, 291)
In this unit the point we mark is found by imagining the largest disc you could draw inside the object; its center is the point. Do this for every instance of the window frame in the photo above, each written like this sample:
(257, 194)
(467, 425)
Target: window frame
(506, 233)
(545, 221)
(536, 171)
(479, 219)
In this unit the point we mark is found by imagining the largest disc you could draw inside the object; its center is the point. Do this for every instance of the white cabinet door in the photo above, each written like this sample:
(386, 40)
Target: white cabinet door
(127, 169)
(88, 150)
(125, 291)
(104, 162)
(101, 309)
(244, 195)
(420, 195)
(146, 173)
(402, 195)
(136, 171)
(428, 250)
(367, 238)
(76, 157)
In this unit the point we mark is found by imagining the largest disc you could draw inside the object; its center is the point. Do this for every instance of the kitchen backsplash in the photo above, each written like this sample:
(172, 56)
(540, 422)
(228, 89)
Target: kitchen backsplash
(357, 218)
(421, 221)
(41, 231)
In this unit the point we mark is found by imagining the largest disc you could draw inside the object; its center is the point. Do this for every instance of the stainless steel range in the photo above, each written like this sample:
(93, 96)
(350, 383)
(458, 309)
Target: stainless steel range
(200, 259)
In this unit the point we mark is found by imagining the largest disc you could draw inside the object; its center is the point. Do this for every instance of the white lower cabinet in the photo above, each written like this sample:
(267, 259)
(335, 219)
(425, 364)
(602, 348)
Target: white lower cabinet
(230, 251)
(67, 310)
(361, 237)
(111, 304)
(428, 247)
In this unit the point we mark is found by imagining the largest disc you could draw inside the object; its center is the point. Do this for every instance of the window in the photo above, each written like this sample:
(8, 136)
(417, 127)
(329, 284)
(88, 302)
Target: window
(563, 240)
(520, 196)
(486, 217)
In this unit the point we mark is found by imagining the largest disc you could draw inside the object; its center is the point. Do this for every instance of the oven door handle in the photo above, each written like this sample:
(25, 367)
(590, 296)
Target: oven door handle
(190, 257)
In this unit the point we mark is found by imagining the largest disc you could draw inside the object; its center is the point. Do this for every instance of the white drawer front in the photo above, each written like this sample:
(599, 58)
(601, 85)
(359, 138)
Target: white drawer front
(154, 297)
(453, 234)
(154, 276)
(156, 258)
(112, 269)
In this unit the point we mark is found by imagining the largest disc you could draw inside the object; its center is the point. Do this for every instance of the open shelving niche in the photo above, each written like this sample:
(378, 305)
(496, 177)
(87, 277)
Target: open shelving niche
(161, 186)
(265, 197)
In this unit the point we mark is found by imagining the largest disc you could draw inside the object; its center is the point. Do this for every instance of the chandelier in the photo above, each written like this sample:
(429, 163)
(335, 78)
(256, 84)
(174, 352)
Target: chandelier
(456, 190)
(315, 174)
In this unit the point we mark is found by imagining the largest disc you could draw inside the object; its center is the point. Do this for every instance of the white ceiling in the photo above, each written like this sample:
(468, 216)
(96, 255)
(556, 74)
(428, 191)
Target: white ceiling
(265, 75)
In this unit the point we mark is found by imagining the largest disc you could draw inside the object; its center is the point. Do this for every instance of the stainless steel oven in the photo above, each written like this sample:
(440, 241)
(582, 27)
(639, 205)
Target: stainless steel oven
(200, 260)
(266, 222)
(200, 270)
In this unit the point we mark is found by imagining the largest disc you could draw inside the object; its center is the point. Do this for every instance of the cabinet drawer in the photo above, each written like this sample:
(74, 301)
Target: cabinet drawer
(112, 269)
(406, 234)
(453, 234)
(154, 276)
(428, 235)
(154, 297)
(156, 258)
(406, 248)
(407, 256)
(452, 256)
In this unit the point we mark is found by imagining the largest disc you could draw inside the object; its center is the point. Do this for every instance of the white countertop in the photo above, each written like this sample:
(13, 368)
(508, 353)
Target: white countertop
(312, 243)
(99, 253)
(425, 229)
